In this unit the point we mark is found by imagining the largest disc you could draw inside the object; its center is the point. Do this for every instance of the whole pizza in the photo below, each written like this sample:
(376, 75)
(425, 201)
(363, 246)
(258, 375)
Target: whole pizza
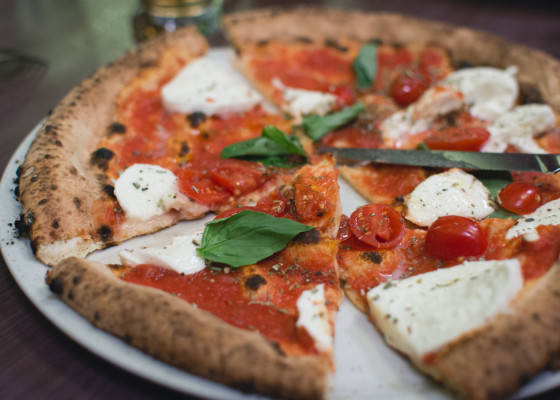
(457, 268)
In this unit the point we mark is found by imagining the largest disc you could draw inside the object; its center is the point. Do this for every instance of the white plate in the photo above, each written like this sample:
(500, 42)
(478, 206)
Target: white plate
(365, 366)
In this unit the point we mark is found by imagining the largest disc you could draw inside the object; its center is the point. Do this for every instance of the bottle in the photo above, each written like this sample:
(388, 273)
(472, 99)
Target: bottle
(157, 16)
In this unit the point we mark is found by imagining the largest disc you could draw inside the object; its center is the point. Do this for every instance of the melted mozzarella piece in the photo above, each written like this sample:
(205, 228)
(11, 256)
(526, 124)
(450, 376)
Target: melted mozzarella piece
(489, 91)
(145, 191)
(547, 214)
(420, 115)
(204, 86)
(314, 318)
(179, 256)
(453, 192)
(518, 127)
(421, 313)
(300, 102)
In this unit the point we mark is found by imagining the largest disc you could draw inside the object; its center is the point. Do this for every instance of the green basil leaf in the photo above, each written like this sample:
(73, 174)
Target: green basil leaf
(365, 65)
(273, 147)
(247, 237)
(502, 213)
(494, 182)
(316, 127)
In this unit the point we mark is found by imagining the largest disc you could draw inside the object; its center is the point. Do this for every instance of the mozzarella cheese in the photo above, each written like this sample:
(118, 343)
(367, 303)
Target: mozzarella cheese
(421, 313)
(547, 214)
(420, 115)
(204, 86)
(518, 127)
(489, 91)
(453, 192)
(300, 102)
(313, 317)
(145, 191)
(179, 256)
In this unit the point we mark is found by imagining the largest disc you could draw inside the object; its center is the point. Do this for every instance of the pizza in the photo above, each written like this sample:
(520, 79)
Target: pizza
(451, 266)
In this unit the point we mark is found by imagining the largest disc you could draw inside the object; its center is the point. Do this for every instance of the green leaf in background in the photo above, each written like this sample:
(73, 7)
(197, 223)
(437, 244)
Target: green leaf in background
(316, 127)
(273, 147)
(365, 65)
(494, 182)
(247, 237)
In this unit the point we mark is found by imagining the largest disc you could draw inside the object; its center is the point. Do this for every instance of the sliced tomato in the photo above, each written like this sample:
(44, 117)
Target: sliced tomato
(344, 228)
(458, 138)
(451, 237)
(311, 203)
(238, 176)
(273, 204)
(520, 197)
(200, 187)
(378, 225)
(408, 87)
(235, 210)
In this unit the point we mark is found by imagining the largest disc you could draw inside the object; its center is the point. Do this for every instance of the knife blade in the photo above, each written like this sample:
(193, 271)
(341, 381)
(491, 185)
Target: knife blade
(548, 163)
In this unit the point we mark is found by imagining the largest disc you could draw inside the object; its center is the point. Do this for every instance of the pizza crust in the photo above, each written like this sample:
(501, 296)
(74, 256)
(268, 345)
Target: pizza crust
(60, 188)
(182, 335)
(536, 68)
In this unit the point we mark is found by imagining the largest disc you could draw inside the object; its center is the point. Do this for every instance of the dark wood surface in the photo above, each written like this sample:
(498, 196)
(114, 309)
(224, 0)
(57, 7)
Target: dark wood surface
(74, 38)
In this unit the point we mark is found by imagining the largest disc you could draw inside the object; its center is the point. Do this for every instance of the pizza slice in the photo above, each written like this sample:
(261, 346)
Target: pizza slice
(209, 308)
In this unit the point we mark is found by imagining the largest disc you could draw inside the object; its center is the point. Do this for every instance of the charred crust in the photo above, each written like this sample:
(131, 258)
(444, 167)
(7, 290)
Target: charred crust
(55, 224)
(116, 128)
(34, 246)
(77, 279)
(333, 44)
(262, 43)
(530, 94)
(71, 294)
(56, 286)
(254, 282)
(19, 171)
(58, 143)
(101, 157)
(184, 149)
(77, 202)
(105, 233)
(399, 199)
(304, 39)
(42, 201)
(73, 170)
(463, 64)
(109, 190)
(312, 236)
(22, 227)
(372, 256)
(196, 118)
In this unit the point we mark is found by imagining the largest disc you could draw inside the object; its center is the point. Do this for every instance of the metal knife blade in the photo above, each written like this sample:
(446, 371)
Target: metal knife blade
(548, 163)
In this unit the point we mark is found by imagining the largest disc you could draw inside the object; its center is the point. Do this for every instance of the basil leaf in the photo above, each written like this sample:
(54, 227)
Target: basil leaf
(502, 213)
(316, 127)
(273, 147)
(494, 182)
(365, 65)
(247, 237)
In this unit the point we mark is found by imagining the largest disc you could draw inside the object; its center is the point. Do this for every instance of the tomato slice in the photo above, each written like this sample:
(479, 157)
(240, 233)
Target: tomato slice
(238, 176)
(408, 87)
(273, 204)
(520, 197)
(451, 237)
(199, 187)
(378, 225)
(344, 228)
(458, 138)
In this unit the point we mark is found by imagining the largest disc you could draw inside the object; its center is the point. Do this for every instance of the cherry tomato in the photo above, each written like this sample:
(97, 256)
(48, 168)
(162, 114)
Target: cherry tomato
(520, 197)
(344, 228)
(451, 237)
(273, 204)
(238, 176)
(460, 139)
(199, 187)
(377, 225)
(407, 88)
(235, 210)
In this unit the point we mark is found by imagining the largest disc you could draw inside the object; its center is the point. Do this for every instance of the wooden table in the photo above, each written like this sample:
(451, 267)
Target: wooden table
(37, 361)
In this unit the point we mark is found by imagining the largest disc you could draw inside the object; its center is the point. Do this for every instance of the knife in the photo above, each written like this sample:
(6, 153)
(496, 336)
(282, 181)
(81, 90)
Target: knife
(548, 163)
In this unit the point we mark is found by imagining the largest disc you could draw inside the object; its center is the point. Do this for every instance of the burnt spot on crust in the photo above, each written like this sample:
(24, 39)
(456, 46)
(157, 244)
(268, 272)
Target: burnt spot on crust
(333, 44)
(55, 224)
(109, 191)
(34, 246)
(101, 157)
(254, 282)
(196, 118)
(77, 279)
(105, 233)
(58, 143)
(310, 237)
(22, 228)
(462, 64)
(184, 150)
(77, 202)
(42, 201)
(56, 286)
(372, 256)
(530, 94)
(262, 43)
(116, 128)
(304, 39)
(73, 170)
